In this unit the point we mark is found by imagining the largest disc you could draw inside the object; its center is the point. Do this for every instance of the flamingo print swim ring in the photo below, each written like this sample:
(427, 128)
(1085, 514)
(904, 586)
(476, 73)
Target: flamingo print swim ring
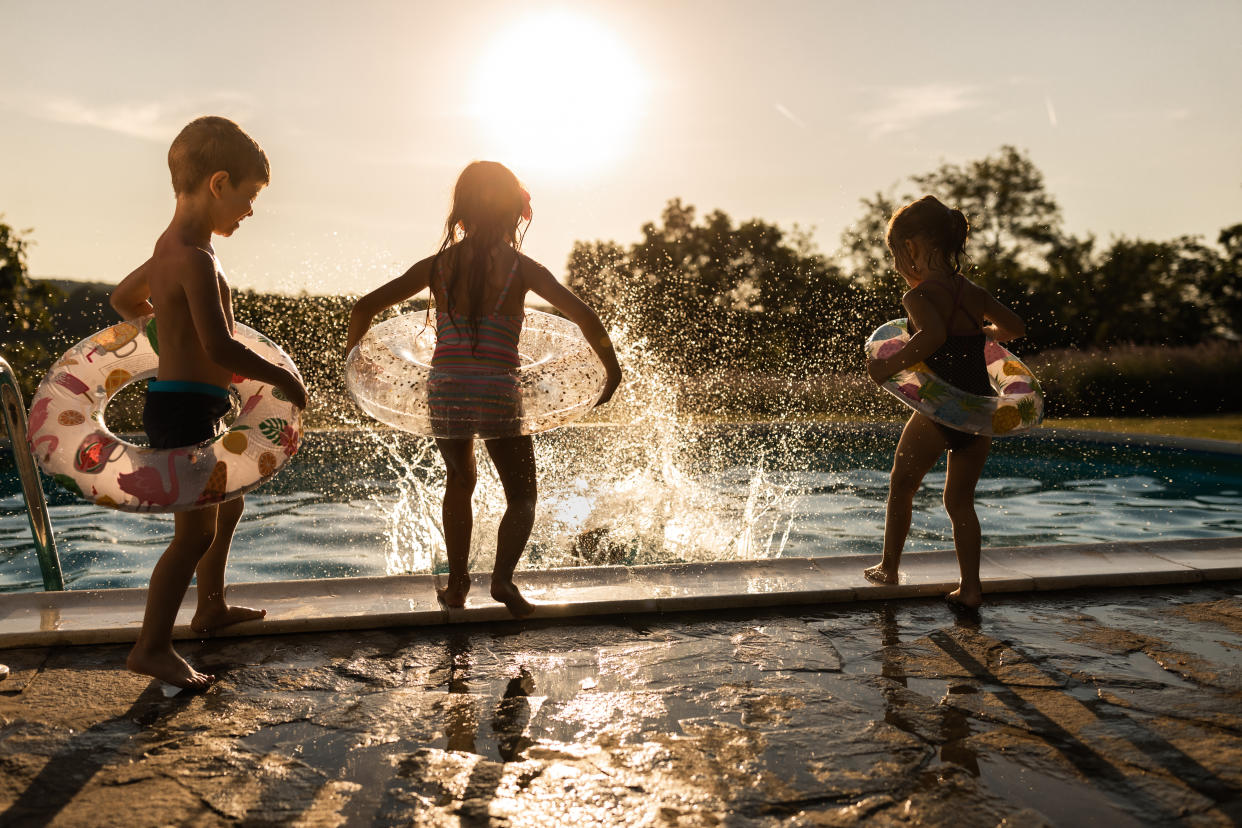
(1018, 405)
(390, 376)
(74, 445)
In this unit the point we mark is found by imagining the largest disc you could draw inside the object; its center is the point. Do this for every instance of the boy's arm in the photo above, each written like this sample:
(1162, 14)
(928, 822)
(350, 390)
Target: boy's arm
(202, 293)
(132, 297)
(413, 281)
(541, 281)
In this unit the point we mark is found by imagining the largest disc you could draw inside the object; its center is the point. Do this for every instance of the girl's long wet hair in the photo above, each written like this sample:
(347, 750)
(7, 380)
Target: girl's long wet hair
(929, 218)
(489, 205)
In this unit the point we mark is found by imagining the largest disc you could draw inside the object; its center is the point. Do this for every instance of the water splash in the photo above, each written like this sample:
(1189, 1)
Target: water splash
(637, 483)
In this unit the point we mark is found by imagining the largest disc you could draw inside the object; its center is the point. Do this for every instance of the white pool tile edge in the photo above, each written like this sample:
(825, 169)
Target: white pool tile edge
(30, 619)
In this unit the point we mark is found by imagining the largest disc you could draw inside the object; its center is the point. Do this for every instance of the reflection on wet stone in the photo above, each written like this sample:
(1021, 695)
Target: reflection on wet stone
(1116, 708)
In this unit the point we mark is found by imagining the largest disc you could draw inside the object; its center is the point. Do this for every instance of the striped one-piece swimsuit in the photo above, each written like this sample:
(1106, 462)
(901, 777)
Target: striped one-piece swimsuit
(472, 388)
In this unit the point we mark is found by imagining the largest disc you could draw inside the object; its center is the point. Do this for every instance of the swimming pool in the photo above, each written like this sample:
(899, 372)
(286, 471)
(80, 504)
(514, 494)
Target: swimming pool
(366, 502)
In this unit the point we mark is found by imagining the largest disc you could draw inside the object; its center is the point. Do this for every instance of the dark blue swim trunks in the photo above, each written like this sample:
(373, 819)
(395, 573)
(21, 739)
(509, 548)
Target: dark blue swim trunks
(184, 413)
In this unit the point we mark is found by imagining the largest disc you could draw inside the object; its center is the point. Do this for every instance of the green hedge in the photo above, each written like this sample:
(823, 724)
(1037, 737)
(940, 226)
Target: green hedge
(1142, 381)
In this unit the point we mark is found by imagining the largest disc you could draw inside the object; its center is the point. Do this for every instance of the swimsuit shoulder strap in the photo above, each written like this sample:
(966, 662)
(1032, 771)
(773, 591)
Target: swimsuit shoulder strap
(957, 301)
(504, 292)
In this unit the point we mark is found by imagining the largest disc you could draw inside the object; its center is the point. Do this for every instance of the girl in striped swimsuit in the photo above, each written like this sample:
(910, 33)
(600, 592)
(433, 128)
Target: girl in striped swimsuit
(950, 319)
(478, 281)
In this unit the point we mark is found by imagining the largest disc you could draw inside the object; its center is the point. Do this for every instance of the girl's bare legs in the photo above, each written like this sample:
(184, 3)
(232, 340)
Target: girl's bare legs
(213, 613)
(515, 464)
(965, 466)
(458, 517)
(153, 653)
(918, 450)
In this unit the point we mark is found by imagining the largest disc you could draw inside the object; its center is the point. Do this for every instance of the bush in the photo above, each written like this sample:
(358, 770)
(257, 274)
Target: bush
(1142, 380)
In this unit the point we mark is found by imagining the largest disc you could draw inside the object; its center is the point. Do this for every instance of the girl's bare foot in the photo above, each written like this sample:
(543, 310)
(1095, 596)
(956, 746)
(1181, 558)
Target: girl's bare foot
(879, 575)
(966, 599)
(507, 593)
(454, 595)
(207, 620)
(167, 666)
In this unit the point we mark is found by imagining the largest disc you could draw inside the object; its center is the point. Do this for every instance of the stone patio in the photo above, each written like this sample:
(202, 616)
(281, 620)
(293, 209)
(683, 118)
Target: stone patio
(1115, 707)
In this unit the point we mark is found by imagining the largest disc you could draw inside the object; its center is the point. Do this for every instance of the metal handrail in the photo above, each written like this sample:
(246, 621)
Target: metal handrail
(14, 416)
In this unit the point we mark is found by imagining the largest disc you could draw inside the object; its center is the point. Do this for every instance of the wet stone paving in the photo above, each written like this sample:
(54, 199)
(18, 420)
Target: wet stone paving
(1115, 708)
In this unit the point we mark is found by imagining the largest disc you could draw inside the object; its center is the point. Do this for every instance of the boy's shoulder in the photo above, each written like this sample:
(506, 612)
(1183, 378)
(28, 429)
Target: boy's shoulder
(177, 260)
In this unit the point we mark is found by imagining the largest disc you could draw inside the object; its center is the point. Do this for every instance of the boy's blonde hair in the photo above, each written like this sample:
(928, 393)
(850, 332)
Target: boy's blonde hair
(210, 144)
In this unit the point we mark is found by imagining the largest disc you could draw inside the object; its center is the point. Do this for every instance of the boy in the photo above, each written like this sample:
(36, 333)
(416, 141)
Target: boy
(217, 172)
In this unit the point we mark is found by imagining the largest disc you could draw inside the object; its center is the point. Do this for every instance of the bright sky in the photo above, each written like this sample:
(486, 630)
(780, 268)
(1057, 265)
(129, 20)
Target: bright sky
(788, 110)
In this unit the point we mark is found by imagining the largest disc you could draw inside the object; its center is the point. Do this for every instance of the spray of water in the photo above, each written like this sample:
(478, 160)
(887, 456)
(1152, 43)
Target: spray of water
(637, 483)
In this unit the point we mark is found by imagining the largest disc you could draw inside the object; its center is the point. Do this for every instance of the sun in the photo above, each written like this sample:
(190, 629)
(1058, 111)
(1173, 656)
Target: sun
(557, 93)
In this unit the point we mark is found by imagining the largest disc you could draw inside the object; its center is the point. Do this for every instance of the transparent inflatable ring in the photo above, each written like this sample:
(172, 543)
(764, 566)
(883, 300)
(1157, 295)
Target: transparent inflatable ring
(74, 445)
(390, 376)
(1018, 405)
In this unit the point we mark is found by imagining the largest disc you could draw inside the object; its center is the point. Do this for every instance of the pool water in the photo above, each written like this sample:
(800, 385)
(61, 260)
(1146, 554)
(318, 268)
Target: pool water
(366, 502)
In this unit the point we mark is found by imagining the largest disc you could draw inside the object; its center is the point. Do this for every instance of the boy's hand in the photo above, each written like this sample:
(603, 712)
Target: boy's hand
(294, 390)
(878, 370)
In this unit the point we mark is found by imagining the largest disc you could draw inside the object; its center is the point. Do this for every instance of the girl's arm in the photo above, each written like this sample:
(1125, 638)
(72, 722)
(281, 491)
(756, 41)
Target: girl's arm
(413, 281)
(540, 280)
(930, 336)
(1004, 324)
(132, 297)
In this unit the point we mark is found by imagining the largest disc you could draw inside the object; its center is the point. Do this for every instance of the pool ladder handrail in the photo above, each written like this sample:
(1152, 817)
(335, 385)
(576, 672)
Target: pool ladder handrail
(13, 413)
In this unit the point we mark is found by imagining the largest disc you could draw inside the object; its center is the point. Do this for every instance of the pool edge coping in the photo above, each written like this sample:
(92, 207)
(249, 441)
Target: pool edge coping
(110, 616)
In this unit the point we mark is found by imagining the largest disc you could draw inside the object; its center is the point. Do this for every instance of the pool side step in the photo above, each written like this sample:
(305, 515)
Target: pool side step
(114, 615)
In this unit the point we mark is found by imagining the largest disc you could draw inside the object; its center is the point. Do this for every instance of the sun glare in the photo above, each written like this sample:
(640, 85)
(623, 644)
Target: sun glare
(558, 93)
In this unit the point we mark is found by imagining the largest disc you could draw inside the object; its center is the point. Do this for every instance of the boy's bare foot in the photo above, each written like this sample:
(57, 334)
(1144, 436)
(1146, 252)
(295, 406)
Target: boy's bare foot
(879, 575)
(965, 599)
(506, 592)
(224, 615)
(168, 667)
(454, 595)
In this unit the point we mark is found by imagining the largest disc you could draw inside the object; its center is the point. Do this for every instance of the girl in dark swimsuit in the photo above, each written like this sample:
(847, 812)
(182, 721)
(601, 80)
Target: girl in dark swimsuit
(950, 319)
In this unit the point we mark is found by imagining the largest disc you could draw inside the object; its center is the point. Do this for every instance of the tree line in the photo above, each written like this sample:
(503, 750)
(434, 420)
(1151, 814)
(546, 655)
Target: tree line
(709, 294)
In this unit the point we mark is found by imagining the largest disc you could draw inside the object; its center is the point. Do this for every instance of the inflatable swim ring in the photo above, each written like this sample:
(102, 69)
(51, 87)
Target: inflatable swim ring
(74, 445)
(559, 380)
(1017, 406)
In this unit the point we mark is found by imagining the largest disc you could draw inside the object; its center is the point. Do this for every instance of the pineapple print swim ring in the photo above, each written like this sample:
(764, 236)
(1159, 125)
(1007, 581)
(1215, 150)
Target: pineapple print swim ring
(389, 375)
(1018, 405)
(73, 444)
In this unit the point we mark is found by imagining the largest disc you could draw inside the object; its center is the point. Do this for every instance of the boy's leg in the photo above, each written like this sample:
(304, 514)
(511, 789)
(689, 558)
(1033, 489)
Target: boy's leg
(213, 613)
(918, 450)
(458, 517)
(965, 467)
(153, 653)
(515, 465)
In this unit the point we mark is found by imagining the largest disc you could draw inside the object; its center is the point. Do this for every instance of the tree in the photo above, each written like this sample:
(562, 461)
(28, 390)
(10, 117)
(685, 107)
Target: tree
(1174, 292)
(25, 311)
(1224, 289)
(710, 293)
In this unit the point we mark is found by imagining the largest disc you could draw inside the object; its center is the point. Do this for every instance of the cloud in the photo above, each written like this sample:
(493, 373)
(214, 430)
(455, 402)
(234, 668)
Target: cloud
(792, 118)
(147, 120)
(906, 107)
